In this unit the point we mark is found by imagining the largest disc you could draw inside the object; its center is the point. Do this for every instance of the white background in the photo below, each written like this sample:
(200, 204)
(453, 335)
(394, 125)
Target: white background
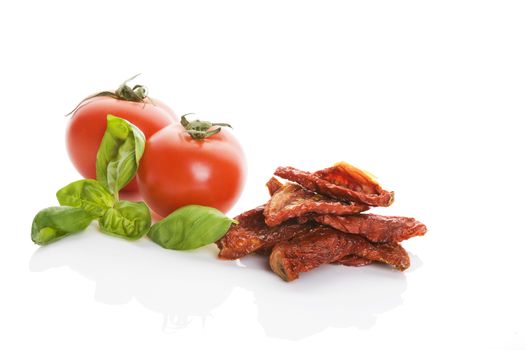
(428, 96)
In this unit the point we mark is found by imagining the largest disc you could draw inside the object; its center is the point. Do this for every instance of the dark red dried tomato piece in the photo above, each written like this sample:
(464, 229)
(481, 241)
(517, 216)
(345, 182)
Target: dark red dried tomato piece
(353, 260)
(342, 182)
(252, 234)
(375, 228)
(273, 185)
(323, 245)
(292, 200)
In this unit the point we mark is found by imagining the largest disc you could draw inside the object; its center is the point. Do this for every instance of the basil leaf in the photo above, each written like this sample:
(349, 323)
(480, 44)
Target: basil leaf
(190, 227)
(54, 223)
(119, 154)
(88, 195)
(128, 220)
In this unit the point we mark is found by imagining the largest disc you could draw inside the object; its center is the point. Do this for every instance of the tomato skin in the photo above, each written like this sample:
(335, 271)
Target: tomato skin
(88, 124)
(177, 170)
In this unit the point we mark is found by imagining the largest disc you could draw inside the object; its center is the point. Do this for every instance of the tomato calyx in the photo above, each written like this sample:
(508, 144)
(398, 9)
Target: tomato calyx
(199, 130)
(137, 93)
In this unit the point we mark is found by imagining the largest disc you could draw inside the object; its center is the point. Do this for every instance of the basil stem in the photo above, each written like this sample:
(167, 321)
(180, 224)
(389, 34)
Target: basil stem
(190, 227)
(54, 223)
(119, 154)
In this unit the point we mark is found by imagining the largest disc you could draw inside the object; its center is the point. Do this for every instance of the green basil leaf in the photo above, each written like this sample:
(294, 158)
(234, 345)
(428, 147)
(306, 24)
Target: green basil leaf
(119, 154)
(88, 195)
(128, 220)
(190, 227)
(54, 223)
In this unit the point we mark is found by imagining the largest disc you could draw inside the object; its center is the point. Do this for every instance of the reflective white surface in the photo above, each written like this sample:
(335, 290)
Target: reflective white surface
(428, 96)
(186, 287)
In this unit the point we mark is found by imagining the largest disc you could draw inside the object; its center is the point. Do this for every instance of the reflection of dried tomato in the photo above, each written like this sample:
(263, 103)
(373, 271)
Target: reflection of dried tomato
(325, 245)
(291, 200)
(342, 182)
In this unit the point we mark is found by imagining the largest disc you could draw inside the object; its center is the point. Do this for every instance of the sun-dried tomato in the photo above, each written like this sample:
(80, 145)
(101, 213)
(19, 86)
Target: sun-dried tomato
(375, 228)
(324, 245)
(252, 234)
(353, 260)
(342, 182)
(292, 200)
(273, 185)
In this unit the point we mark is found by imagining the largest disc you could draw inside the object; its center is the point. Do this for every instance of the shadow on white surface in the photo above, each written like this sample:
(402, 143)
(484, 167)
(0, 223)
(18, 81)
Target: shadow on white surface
(183, 286)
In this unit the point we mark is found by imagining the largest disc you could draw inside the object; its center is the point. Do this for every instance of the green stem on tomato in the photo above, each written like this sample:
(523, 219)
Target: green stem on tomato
(199, 129)
(137, 93)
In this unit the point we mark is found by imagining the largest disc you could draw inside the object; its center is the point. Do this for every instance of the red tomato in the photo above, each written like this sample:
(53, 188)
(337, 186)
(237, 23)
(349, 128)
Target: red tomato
(88, 124)
(178, 170)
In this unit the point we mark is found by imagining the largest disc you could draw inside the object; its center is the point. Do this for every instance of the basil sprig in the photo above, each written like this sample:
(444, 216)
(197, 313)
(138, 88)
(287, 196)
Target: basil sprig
(190, 227)
(119, 154)
(86, 200)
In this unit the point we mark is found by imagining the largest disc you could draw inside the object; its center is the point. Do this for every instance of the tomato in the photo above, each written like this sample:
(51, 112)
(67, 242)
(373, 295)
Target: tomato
(88, 124)
(178, 169)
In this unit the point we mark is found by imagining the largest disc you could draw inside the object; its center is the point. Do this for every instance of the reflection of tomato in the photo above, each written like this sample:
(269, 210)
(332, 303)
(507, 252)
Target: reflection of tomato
(88, 124)
(177, 170)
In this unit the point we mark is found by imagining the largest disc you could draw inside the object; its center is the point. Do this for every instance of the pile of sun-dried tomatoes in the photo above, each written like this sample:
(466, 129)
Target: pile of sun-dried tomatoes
(317, 219)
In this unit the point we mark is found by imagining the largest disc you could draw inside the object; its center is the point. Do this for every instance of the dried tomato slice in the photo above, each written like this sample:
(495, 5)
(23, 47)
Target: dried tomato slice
(273, 185)
(353, 260)
(324, 245)
(292, 200)
(252, 234)
(375, 228)
(342, 182)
